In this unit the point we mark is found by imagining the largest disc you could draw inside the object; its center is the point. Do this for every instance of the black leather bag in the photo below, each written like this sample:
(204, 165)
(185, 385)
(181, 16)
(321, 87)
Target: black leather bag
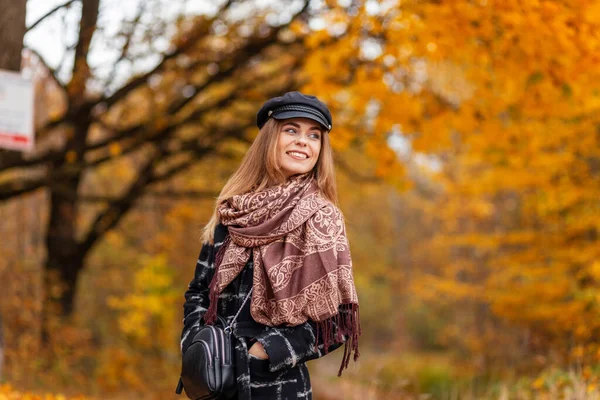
(208, 370)
(207, 367)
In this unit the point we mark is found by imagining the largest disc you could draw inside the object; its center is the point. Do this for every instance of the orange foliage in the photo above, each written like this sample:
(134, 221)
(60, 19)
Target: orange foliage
(504, 95)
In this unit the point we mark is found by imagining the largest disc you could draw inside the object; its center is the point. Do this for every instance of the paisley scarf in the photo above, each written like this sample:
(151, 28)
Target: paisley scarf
(302, 265)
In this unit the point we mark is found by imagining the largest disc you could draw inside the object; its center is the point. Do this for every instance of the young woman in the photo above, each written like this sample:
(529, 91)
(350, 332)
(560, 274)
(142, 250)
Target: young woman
(276, 229)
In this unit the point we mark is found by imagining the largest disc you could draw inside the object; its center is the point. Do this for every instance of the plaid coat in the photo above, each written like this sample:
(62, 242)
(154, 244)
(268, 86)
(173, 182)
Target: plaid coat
(284, 375)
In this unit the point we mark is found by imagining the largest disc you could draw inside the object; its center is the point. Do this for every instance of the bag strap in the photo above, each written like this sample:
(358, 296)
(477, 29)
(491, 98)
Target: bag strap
(229, 327)
(179, 388)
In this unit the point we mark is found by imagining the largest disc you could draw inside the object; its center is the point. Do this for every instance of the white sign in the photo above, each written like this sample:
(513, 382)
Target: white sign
(16, 111)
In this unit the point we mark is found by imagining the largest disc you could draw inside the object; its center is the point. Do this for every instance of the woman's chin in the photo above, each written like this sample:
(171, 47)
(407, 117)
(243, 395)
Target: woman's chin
(294, 172)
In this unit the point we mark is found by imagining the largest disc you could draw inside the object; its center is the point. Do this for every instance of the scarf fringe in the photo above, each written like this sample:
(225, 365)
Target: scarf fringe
(334, 329)
(211, 314)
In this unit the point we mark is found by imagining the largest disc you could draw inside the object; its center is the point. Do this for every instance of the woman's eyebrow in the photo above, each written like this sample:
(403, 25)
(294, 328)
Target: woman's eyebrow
(296, 125)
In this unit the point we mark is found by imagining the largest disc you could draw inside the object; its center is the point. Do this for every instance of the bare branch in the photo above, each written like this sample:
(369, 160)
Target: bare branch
(81, 68)
(118, 135)
(199, 153)
(239, 60)
(13, 160)
(241, 56)
(183, 194)
(50, 125)
(167, 194)
(49, 13)
(20, 186)
(139, 133)
(128, 35)
(110, 217)
(113, 213)
(10, 158)
(185, 45)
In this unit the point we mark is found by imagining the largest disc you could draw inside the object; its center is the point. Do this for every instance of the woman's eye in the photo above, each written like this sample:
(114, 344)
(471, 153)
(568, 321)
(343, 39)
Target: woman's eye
(290, 130)
(315, 136)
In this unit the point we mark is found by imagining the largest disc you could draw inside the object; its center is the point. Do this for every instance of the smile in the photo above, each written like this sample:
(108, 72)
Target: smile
(297, 155)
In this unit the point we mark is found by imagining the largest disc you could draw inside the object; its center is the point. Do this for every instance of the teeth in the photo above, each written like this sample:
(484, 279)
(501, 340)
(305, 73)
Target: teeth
(293, 153)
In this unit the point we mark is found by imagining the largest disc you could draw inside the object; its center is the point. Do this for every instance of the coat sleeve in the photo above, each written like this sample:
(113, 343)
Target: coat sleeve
(289, 346)
(196, 296)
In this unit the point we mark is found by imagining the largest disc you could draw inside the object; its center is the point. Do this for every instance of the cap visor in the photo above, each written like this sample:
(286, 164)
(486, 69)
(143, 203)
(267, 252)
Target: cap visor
(301, 114)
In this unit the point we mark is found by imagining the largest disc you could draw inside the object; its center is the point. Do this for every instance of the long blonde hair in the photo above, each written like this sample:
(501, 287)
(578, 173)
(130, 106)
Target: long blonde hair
(260, 169)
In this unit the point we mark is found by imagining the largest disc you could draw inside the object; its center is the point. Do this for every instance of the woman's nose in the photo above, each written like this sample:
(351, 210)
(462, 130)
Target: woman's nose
(301, 139)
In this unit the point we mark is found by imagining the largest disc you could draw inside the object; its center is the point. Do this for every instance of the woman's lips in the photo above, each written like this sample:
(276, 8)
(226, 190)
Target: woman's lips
(298, 155)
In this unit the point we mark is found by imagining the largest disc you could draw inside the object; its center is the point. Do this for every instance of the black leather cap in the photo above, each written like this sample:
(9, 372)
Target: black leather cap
(294, 105)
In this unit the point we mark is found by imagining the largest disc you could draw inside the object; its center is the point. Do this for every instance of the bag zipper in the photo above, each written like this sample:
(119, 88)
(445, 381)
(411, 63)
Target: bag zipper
(207, 347)
(215, 336)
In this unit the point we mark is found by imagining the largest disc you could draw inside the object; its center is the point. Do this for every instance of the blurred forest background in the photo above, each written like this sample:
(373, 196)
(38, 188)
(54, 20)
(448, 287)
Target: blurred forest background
(467, 141)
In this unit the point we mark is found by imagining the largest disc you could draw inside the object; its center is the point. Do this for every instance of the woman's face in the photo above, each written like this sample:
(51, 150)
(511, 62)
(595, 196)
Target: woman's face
(299, 145)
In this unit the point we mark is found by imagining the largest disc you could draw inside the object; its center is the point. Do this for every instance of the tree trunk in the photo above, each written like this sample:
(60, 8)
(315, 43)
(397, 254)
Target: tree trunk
(62, 268)
(63, 264)
(66, 254)
(65, 257)
(12, 30)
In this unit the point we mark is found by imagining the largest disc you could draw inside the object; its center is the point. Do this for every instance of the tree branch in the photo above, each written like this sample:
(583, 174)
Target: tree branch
(241, 57)
(113, 213)
(12, 159)
(20, 162)
(20, 186)
(111, 216)
(186, 44)
(81, 68)
(128, 35)
(43, 131)
(194, 116)
(167, 194)
(49, 13)
(136, 132)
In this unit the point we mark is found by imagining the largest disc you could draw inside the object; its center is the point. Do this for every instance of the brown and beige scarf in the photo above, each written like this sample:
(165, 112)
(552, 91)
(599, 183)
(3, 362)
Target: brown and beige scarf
(302, 264)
